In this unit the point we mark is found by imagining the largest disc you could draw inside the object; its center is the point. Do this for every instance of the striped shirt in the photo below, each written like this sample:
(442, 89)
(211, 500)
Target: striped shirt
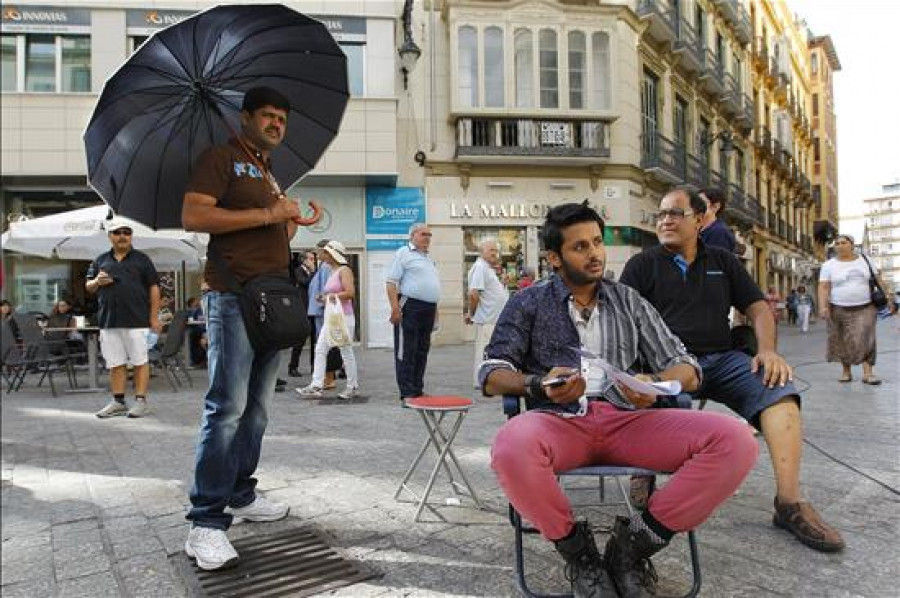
(537, 331)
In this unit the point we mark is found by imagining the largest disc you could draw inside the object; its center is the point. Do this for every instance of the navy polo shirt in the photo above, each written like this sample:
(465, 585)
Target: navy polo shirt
(718, 234)
(126, 302)
(693, 299)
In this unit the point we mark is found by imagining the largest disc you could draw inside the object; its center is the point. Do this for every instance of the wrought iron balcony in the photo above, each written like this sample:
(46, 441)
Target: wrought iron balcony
(712, 73)
(731, 99)
(697, 171)
(761, 52)
(659, 17)
(735, 13)
(688, 47)
(741, 208)
(663, 158)
(746, 116)
(764, 140)
(529, 137)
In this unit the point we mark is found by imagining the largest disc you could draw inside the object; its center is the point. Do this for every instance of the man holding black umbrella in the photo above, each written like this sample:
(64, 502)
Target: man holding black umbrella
(233, 196)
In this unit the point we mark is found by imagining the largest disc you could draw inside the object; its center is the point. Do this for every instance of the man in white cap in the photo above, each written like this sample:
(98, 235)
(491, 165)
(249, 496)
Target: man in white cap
(127, 288)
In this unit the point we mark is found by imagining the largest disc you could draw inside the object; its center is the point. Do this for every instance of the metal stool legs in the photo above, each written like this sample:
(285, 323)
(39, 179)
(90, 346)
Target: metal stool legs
(442, 441)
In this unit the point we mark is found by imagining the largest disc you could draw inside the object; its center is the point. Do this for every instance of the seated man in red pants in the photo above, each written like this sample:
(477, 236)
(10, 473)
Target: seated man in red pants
(546, 331)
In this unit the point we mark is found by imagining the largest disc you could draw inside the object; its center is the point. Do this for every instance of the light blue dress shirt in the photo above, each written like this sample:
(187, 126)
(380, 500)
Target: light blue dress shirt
(415, 275)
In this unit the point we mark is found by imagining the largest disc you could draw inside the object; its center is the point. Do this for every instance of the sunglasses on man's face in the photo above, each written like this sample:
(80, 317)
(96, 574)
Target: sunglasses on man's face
(121, 231)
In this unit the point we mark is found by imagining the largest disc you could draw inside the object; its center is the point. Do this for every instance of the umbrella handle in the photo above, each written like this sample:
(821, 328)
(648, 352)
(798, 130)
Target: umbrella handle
(317, 213)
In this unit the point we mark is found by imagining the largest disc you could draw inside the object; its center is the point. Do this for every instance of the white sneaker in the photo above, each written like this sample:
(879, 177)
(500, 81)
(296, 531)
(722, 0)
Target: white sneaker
(262, 509)
(139, 409)
(310, 391)
(113, 409)
(351, 392)
(210, 548)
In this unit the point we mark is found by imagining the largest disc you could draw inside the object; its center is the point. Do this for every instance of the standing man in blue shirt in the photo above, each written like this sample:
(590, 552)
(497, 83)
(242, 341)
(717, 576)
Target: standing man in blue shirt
(714, 232)
(413, 289)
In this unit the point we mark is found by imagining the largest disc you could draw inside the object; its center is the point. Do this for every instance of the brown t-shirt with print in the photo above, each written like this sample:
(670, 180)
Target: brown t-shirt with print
(229, 174)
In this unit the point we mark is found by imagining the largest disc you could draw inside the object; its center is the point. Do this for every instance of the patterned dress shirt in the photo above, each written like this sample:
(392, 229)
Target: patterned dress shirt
(536, 332)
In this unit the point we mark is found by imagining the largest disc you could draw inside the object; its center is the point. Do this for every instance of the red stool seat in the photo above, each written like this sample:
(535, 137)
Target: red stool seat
(445, 402)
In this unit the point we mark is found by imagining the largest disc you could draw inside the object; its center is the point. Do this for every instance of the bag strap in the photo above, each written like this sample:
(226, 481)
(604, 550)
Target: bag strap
(213, 252)
(874, 279)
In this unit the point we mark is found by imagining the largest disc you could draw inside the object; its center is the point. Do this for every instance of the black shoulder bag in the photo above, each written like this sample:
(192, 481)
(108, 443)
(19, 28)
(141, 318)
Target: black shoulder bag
(879, 299)
(273, 307)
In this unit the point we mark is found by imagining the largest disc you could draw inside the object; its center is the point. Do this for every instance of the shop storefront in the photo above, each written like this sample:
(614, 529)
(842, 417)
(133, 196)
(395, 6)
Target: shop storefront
(512, 213)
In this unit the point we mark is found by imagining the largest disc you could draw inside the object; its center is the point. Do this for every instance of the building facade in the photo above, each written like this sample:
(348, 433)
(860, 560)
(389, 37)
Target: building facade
(823, 64)
(882, 234)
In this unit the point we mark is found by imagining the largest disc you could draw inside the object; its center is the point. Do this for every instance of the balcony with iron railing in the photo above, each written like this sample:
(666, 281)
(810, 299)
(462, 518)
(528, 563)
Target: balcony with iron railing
(731, 98)
(660, 19)
(761, 53)
(737, 16)
(662, 158)
(764, 141)
(697, 171)
(741, 207)
(712, 73)
(746, 116)
(688, 47)
(492, 138)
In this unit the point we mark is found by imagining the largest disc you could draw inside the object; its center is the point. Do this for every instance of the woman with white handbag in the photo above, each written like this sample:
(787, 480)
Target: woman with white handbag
(339, 325)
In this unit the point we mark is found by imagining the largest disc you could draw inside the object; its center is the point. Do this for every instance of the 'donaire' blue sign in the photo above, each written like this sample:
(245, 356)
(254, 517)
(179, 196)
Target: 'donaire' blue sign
(390, 211)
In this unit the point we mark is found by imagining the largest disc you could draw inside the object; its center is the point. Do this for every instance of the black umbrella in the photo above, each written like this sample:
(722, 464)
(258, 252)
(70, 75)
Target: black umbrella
(182, 91)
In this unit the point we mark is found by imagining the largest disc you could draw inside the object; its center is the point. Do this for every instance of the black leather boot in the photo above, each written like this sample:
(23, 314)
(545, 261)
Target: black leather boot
(627, 558)
(584, 567)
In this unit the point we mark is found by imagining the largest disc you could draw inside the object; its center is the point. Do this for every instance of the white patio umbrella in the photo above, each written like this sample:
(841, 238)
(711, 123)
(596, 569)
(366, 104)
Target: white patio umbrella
(79, 235)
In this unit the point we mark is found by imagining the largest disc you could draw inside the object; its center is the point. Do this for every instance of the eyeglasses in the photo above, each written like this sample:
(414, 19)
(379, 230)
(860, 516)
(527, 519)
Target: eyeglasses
(674, 213)
(121, 231)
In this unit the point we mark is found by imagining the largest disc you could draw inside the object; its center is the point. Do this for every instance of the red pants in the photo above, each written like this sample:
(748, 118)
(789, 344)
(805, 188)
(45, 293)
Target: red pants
(709, 455)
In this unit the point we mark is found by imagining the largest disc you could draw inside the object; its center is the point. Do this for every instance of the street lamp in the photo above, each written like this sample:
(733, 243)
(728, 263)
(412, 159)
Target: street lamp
(409, 52)
(705, 140)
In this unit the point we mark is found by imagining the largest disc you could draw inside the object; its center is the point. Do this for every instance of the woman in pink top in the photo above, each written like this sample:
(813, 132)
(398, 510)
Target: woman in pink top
(339, 287)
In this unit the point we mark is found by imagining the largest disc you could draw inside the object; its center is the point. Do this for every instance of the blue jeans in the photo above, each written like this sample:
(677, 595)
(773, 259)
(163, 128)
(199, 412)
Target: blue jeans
(241, 384)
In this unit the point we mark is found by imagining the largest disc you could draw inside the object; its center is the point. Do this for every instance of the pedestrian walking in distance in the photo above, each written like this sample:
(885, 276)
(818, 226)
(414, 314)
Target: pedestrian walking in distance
(486, 298)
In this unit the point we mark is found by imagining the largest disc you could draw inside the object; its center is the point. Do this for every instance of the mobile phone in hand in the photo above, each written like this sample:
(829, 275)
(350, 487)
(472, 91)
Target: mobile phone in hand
(556, 381)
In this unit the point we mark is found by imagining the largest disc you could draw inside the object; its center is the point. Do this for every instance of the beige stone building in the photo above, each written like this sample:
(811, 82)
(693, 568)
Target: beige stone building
(823, 64)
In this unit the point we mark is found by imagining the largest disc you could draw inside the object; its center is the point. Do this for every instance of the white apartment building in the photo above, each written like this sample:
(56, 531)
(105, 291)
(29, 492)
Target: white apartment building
(882, 236)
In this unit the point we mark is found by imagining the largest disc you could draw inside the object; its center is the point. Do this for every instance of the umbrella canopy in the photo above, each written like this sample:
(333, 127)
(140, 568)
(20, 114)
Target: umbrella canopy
(80, 235)
(182, 91)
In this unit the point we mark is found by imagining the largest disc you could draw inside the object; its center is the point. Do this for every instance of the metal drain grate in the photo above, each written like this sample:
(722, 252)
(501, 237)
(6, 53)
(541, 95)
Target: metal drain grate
(292, 563)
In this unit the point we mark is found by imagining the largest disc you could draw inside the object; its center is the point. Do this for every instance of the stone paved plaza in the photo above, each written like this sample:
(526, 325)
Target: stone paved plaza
(96, 507)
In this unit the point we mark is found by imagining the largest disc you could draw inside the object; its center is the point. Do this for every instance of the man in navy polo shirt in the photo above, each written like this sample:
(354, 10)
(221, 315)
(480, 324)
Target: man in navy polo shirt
(714, 232)
(694, 287)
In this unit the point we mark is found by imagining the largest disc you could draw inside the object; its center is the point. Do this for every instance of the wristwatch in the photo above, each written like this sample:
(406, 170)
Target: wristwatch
(655, 378)
(533, 389)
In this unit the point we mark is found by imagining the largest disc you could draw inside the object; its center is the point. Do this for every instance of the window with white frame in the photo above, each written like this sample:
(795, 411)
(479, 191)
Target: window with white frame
(549, 68)
(483, 69)
(524, 68)
(601, 96)
(46, 63)
(577, 64)
(494, 82)
(467, 70)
